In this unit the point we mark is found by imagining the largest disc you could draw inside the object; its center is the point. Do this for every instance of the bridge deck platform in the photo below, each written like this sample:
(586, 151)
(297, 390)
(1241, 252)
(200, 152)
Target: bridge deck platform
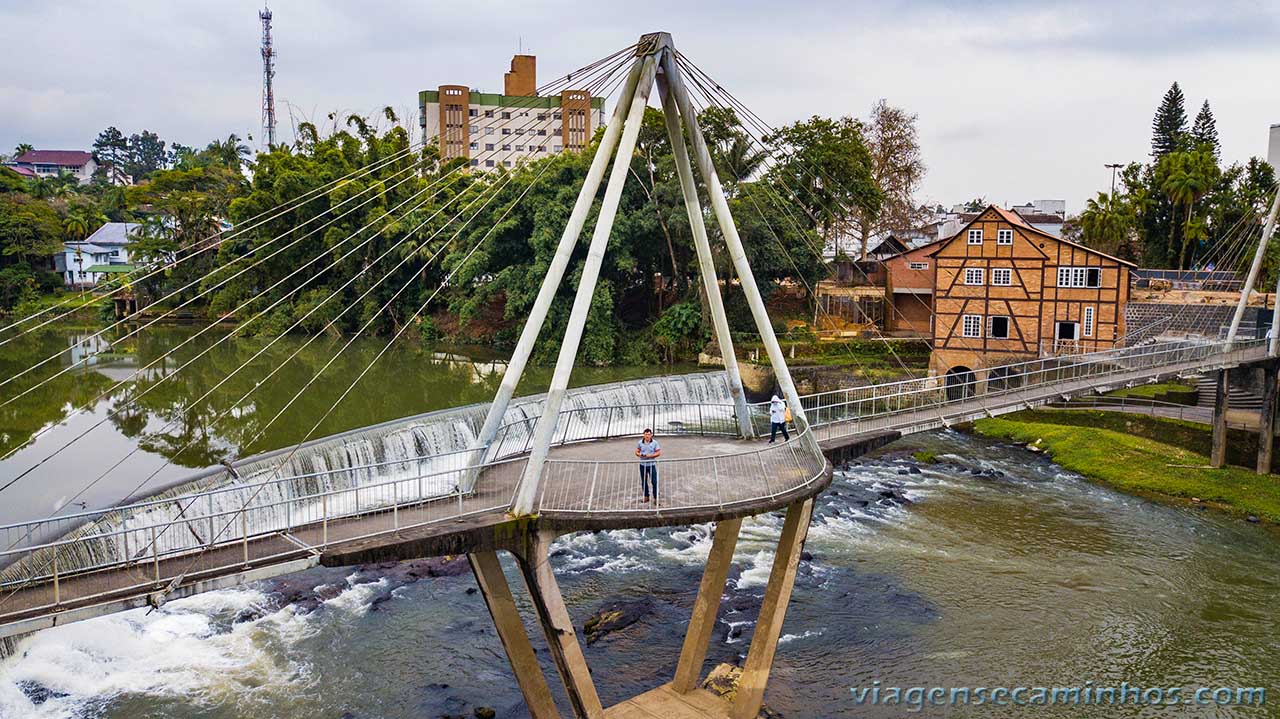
(666, 703)
(702, 479)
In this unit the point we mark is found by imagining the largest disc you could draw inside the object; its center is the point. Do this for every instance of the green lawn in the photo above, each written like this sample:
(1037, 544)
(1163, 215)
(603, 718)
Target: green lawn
(1149, 391)
(1141, 465)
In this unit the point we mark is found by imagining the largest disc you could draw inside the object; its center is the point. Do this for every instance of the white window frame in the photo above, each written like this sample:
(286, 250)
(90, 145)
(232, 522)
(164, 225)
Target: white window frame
(1008, 327)
(1087, 325)
(917, 265)
(974, 276)
(1079, 277)
(1004, 237)
(975, 237)
(971, 326)
(999, 272)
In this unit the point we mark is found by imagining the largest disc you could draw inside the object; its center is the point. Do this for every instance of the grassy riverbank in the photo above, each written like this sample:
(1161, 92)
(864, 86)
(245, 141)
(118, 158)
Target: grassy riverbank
(1148, 456)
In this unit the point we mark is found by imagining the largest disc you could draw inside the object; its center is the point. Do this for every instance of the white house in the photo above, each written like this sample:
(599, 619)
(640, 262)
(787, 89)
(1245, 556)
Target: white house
(51, 163)
(105, 252)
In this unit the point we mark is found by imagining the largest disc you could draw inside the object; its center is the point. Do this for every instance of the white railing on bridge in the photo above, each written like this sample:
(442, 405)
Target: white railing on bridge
(288, 516)
(936, 401)
(292, 516)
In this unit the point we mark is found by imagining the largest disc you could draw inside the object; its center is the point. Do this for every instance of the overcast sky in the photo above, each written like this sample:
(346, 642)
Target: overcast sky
(1017, 100)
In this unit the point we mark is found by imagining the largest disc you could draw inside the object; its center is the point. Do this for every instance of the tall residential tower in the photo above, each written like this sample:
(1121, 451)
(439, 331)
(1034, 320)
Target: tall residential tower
(493, 130)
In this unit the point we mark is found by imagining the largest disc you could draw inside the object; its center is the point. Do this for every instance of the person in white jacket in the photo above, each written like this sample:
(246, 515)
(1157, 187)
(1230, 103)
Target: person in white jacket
(778, 419)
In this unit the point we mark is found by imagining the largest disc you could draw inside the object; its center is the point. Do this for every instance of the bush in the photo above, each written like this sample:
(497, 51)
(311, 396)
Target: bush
(679, 329)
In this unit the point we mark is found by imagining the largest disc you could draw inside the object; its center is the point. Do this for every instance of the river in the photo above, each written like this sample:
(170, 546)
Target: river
(991, 567)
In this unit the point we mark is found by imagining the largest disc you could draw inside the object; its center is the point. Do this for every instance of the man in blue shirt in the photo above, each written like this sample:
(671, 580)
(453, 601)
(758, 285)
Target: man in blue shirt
(647, 450)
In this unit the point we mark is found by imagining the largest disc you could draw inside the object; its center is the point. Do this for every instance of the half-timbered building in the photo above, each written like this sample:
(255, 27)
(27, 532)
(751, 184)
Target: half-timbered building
(1005, 291)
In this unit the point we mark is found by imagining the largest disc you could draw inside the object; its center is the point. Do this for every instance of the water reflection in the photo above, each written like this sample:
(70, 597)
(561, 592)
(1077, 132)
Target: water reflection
(148, 418)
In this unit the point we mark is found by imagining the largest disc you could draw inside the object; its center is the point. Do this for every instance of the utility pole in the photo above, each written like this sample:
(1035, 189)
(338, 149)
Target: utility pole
(268, 72)
(1113, 168)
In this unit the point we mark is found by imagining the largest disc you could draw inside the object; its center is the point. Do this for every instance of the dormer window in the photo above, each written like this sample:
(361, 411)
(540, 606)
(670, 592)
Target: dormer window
(975, 237)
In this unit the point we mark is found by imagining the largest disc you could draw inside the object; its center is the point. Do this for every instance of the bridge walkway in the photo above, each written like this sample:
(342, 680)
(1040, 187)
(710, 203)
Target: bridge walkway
(591, 484)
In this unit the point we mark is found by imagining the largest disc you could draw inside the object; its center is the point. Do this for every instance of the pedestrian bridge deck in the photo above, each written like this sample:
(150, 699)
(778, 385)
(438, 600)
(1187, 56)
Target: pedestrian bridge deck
(124, 557)
(587, 485)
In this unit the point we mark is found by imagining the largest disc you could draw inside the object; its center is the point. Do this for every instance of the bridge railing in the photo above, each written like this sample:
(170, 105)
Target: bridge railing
(246, 526)
(851, 411)
(585, 486)
(426, 487)
(591, 423)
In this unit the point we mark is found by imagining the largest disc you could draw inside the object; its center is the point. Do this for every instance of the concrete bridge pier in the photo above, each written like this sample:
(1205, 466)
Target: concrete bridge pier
(1266, 419)
(1218, 455)
(681, 698)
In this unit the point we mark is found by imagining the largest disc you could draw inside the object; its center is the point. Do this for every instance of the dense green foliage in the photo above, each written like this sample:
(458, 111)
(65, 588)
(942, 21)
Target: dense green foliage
(1182, 209)
(430, 248)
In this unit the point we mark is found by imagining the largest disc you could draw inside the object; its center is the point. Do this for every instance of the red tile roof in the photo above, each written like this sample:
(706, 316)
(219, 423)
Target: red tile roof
(66, 158)
(24, 171)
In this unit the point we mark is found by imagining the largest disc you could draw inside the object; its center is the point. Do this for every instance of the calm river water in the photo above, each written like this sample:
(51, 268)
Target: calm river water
(1000, 570)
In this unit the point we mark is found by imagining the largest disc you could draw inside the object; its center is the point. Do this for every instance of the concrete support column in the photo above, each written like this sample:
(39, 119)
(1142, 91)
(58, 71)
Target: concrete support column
(764, 642)
(515, 640)
(1218, 456)
(557, 625)
(1267, 420)
(705, 608)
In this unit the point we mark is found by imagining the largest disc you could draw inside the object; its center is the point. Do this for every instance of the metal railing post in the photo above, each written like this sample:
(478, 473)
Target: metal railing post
(395, 504)
(715, 472)
(324, 519)
(155, 553)
(57, 589)
(209, 508)
(591, 495)
(244, 534)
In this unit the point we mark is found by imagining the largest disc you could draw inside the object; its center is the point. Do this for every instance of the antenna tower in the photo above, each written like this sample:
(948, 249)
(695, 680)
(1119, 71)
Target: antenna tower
(268, 72)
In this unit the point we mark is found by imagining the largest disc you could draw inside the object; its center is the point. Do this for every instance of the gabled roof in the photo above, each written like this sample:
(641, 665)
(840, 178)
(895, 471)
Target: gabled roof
(1017, 220)
(24, 171)
(67, 158)
(926, 245)
(113, 233)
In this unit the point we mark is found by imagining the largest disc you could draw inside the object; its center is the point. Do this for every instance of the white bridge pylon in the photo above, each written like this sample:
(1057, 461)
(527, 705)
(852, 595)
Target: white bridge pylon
(655, 63)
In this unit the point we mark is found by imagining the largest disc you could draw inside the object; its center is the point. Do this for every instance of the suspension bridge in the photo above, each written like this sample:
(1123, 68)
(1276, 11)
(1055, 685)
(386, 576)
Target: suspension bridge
(531, 469)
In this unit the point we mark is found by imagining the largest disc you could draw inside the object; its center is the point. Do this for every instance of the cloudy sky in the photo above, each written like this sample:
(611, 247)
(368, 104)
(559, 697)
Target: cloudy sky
(1017, 100)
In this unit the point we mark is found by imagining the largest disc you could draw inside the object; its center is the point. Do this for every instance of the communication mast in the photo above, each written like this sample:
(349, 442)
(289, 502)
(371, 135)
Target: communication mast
(268, 72)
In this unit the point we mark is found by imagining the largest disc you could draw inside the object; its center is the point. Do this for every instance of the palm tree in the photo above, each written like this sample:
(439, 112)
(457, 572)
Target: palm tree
(1106, 222)
(1186, 177)
(231, 152)
(76, 226)
(22, 149)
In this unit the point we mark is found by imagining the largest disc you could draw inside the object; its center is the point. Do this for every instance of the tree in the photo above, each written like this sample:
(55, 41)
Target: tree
(146, 154)
(1205, 131)
(22, 149)
(76, 227)
(111, 152)
(1107, 224)
(1185, 177)
(735, 154)
(897, 166)
(29, 229)
(231, 153)
(824, 164)
(1170, 124)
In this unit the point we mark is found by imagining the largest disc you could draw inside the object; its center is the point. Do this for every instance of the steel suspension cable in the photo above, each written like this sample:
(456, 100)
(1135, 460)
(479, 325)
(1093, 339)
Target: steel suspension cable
(215, 240)
(298, 322)
(209, 289)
